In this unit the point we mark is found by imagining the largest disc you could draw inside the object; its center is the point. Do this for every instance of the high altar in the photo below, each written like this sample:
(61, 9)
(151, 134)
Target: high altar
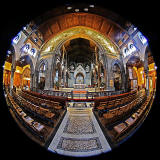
(80, 76)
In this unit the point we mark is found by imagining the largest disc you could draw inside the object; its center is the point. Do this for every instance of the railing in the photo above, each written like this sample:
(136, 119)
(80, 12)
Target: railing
(87, 95)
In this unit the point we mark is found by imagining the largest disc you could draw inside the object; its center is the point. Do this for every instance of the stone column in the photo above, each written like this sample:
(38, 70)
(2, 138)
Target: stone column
(99, 76)
(146, 69)
(110, 79)
(52, 69)
(64, 77)
(47, 78)
(147, 80)
(35, 80)
(123, 74)
(49, 72)
(13, 69)
(104, 58)
(32, 81)
(36, 73)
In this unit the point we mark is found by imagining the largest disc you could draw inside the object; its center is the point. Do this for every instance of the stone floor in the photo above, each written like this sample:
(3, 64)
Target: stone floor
(79, 135)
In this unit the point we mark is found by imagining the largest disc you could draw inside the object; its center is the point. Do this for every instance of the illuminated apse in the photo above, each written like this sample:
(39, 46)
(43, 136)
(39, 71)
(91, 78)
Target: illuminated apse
(79, 81)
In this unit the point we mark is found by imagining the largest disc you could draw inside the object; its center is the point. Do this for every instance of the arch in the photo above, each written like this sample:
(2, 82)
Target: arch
(68, 20)
(103, 43)
(79, 78)
(26, 78)
(54, 46)
(28, 60)
(132, 66)
(117, 62)
(135, 61)
(42, 62)
(41, 73)
(122, 72)
(78, 70)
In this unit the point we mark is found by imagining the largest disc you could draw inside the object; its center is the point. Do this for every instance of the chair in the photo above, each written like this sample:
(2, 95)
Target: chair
(106, 115)
(110, 104)
(120, 112)
(117, 102)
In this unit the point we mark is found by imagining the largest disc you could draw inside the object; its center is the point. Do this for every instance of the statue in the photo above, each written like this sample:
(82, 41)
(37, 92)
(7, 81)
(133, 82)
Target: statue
(79, 79)
(87, 68)
(72, 68)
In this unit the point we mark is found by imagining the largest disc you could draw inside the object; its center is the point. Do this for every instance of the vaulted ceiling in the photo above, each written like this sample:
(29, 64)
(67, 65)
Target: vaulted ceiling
(60, 23)
(80, 51)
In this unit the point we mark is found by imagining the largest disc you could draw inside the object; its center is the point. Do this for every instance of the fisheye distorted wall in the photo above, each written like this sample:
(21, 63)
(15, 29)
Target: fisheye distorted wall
(79, 82)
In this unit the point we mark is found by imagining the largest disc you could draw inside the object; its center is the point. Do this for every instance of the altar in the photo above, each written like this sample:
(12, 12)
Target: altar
(80, 105)
(79, 86)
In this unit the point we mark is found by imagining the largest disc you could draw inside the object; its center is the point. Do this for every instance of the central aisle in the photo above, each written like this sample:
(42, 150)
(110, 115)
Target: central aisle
(79, 135)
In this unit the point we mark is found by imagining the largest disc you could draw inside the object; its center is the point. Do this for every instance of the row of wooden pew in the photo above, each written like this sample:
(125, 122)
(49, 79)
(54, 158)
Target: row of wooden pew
(114, 101)
(40, 101)
(112, 115)
(60, 99)
(123, 128)
(36, 128)
(43, 114)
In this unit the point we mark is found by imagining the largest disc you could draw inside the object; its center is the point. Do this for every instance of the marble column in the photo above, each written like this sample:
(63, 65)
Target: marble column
(147, 80)
(99, 76)
(146, 70)
(13, 69)
(123, 74)
(104, 58)
(52, 67)
(35, 80)
(36, 73)
(32, 81)
(110, 79)
(64, 77)
(47, 79)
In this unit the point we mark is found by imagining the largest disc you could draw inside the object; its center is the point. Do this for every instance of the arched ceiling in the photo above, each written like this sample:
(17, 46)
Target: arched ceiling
(94, 21)
(96, 10)
(97, 24)
(80, 32)
(79, 50)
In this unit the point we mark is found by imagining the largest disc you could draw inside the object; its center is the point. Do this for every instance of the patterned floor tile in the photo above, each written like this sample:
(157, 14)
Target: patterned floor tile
(79, 145)
(79, 125)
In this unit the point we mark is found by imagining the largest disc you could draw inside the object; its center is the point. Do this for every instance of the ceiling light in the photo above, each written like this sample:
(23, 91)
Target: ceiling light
(135, 28)
(18, 71)
(69, 7)
(86, 9)
(155, 67)
(9, 52)
(91, 5)
(77, 10)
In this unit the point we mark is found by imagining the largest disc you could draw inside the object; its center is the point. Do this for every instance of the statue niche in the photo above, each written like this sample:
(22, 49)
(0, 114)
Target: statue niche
(79, 78)
(79, 75)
